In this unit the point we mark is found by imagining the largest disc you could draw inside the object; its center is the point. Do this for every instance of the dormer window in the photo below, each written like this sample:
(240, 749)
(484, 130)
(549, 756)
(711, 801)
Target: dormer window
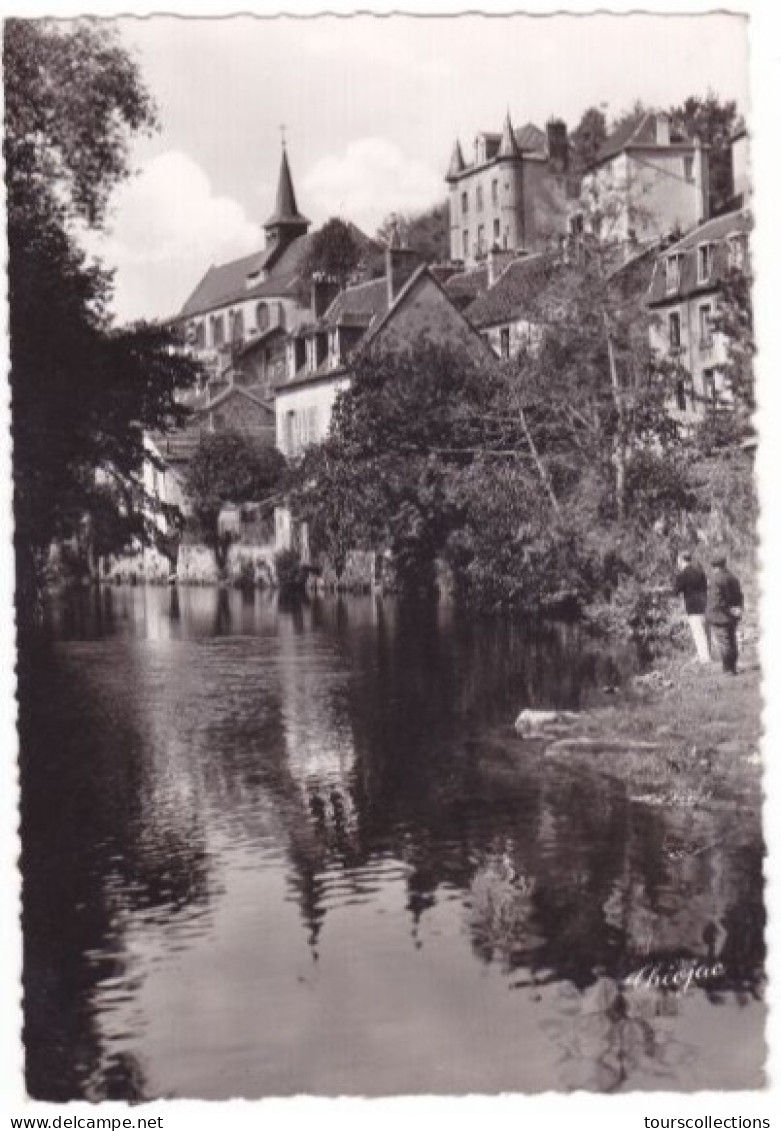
(672, 267)
(253, 278)
(704, 262)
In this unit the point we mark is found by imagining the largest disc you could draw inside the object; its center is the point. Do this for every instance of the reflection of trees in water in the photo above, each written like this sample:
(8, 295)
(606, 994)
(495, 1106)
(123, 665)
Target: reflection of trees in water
(83, 783)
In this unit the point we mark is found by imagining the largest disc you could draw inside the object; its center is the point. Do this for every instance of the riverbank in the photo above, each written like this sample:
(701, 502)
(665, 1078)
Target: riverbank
(682, 734)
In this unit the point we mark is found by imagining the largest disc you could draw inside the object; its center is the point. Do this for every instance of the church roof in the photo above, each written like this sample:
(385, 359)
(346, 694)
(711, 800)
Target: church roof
(286, 210)
(228, 283)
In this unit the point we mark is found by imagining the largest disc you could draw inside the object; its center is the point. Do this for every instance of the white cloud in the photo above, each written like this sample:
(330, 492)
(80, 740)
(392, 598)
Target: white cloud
(371, 179)
(167, 228)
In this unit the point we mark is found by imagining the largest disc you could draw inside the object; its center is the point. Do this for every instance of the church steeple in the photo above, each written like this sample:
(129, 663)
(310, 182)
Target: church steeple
(456, 166)
(286, 222)
(508, 146)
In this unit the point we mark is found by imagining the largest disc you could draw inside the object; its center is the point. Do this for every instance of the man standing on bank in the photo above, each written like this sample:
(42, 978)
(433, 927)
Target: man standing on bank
(725, 608)
(692, 584)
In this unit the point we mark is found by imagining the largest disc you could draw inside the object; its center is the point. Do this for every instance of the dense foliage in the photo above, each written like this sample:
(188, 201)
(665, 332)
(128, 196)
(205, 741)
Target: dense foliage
(426, 232)
(82, 391)
(228, 468)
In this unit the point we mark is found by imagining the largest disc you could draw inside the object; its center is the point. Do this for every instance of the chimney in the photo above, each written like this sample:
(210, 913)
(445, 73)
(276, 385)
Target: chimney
(400, 264)
(558, 145)
(324, 291)
(498, 258)
(662, 129)
(702, 178)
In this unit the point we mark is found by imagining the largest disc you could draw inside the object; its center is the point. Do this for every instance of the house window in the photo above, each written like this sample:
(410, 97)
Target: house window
(706, 327)
(281, 316)
(576, 224)
(672, 266)
(218, 330)
(290, 432)
(736, 252)
(465, 243)
(680, 395)
(481, 239)
(464, 202)
(704, 262)
(688, 168)
(479, 198)
(674, 330)
(497, 231)
(494, 192)
(504, 341)
(709, 385)
(237, 326)
(261, 317)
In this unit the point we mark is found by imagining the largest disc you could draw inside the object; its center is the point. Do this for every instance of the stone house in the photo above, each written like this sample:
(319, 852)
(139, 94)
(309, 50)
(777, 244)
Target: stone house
(513, 194)
(684, 296)
(644, 183)
(406, 305)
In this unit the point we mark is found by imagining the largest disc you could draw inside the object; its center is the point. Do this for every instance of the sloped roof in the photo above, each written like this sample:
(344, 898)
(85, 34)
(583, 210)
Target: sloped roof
(229, 393)
(716, 232)
(512, 294)
(223, 285)
(464, 287)
(638, 130)
(358, 303)
(286, 210)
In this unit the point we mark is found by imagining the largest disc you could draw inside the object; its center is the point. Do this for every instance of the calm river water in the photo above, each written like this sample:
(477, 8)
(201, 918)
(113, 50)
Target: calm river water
(269, 851)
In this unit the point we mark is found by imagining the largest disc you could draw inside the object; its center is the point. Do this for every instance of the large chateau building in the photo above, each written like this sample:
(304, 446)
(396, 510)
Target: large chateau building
(513, 194)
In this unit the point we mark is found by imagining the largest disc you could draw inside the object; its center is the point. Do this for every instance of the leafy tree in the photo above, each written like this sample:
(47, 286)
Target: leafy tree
(229, 468)
(714, 122)
(426, 232)
(82, 391)
(731, 427)
(336, 252)
(587, 138)
(386, 476)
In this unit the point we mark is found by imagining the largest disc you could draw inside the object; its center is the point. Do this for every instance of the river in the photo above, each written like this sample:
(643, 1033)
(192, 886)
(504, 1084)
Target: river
(274, 850)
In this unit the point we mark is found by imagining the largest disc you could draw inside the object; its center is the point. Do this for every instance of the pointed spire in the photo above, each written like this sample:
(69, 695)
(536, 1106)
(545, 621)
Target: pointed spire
(456, 166)
(286, 212)
(508, 146)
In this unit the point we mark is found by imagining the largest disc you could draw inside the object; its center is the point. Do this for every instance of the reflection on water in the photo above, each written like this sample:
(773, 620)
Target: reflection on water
(271, 850)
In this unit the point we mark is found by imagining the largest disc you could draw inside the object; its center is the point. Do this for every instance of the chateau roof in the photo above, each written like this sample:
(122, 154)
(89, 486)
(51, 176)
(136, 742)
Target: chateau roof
(456, 165)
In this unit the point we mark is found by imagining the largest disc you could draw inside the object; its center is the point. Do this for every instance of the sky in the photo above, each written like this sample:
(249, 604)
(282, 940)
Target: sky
(371, 107)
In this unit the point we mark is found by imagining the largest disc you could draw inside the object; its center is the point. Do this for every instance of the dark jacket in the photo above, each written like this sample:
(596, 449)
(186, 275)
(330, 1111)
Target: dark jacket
(724, 594)
(693, 584)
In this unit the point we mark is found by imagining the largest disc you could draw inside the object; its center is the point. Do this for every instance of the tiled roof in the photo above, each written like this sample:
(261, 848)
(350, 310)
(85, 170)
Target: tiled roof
(715, 232)
(639, 130)
(223, 285)
(359, 304)
(513, 293)
(529, 138)
(465, 286)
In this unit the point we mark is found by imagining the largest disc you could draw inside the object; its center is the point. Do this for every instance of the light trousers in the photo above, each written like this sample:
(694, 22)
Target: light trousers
(700, 630)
